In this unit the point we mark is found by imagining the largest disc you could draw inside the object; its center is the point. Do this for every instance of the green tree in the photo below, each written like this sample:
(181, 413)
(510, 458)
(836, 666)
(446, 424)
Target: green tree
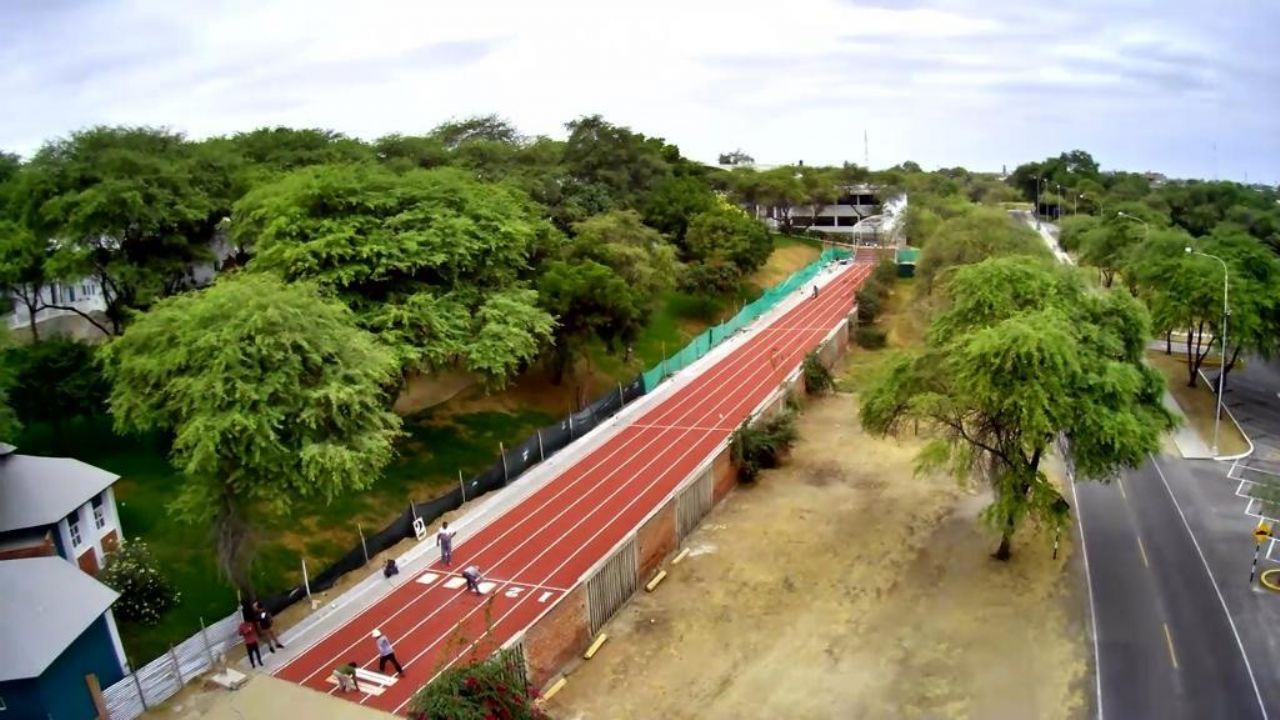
(674, 202)
(433, 261)
(1072, 230)
(130, 207)
(55, 381)
(1023, 354)
(780, 190)
(623, 164)
(272, 395)
(406, 152)
(974, 237)
(729, 234)
(477, 128)
(22, 269)
(919, 223)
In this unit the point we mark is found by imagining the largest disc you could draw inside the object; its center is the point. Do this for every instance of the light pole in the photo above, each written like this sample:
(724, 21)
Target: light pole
(1222, 362)
(1059, 201)
(1146, 229)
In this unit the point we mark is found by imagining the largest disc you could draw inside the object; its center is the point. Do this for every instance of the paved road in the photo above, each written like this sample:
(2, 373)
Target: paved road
(1253, 396)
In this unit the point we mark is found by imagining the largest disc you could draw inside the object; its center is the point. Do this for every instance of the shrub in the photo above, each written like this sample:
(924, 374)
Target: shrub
(885, 273)
(870, 337)
(817, 376)
(759, 447)
(145, 594)
(492, 688)
(870, 299)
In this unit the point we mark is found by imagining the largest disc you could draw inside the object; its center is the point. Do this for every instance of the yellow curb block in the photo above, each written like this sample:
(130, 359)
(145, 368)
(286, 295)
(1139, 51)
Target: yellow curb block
(1271, 579)
(656, 579)
(683, 554)
(555, 688)
(595, 646)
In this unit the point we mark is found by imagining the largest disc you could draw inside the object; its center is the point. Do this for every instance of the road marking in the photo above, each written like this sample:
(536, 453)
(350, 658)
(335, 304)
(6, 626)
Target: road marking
(1203, 561)
(1121, 486)
(1173, 657)
(1143, 552)
(1093, 611)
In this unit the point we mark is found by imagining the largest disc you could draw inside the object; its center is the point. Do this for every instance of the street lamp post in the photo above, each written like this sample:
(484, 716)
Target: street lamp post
(1222, 362)
(1146, 229)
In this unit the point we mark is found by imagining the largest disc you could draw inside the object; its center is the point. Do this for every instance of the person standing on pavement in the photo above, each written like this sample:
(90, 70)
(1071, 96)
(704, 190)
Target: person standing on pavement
(264, 620)
(386, 653)
(472, 576)
(249, 632)
(444, 538)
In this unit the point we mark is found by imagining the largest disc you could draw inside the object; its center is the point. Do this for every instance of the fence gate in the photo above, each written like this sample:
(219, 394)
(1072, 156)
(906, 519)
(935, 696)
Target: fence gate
(610, 587)
(693, 504)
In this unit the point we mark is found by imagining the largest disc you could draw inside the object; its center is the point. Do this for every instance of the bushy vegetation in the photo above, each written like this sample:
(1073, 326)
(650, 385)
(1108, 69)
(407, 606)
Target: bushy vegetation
(762, 446)
(817, 376)
(145, 594)
(870, 337)
(487, 690)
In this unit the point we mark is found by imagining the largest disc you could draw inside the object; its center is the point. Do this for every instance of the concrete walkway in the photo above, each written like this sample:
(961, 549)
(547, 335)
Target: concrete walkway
(1185, 438)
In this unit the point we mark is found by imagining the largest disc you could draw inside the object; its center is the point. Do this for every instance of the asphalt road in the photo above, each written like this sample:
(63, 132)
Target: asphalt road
(1251, 395)
(1166, 646)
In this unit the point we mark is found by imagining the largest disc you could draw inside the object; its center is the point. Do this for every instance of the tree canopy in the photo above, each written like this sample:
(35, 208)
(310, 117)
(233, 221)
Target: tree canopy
(1022, 354)
(433, 262)
(272, 394)
(973, 237)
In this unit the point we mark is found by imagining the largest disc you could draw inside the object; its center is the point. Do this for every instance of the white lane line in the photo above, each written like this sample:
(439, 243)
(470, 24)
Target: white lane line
(430, 578)
(745, 362)
(1205, 562)
(1093, 609)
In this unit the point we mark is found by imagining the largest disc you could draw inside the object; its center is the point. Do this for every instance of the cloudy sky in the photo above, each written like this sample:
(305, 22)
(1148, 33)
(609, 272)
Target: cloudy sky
(1189, 88)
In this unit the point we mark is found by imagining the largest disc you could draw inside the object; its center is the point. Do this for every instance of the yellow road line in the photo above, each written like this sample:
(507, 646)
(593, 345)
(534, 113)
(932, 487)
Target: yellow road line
(1168, 638)
(1143, 552)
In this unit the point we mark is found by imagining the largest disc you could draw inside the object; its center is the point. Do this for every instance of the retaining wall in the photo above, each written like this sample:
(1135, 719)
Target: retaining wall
(564, 631)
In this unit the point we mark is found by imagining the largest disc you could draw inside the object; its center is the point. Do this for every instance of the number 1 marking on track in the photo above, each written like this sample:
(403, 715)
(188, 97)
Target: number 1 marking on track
(544, 596)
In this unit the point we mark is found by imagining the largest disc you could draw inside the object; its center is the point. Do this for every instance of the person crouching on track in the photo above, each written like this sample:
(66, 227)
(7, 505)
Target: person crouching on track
(346, 677)
(472, 576)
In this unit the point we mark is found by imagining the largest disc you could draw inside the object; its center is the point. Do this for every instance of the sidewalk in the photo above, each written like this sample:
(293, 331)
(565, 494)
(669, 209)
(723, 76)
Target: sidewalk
(1189, 444)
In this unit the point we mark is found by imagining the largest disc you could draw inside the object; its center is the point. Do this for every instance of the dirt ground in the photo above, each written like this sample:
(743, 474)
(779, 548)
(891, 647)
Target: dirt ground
(1199, 403)
(840, 586)
(263, 697)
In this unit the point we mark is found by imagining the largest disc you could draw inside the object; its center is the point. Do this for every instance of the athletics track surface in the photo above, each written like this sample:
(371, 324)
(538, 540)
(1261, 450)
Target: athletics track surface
(536, 551)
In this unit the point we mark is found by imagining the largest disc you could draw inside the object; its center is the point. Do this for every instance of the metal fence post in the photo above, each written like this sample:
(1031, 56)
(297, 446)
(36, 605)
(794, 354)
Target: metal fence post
(622, 398)
(541, 455)
(306, 581)
(502, 452)
(208, 648)
(570, 426)
(462, 485)
(141, 695)
(177, 669)
(363, 544)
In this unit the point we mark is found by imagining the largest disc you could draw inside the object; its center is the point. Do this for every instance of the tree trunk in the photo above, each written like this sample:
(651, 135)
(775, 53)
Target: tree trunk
(1005, 551)
(1168, 342)
(231, 543)
(32, 309)
(87, 318)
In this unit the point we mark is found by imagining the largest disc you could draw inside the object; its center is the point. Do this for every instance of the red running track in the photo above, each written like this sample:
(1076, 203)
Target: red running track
(538, 550)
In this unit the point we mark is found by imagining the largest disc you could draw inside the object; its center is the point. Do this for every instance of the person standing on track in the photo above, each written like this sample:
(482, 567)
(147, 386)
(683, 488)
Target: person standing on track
(815, 292)
(444, 538)
(773, 357)
(472, 575)
(386, 653)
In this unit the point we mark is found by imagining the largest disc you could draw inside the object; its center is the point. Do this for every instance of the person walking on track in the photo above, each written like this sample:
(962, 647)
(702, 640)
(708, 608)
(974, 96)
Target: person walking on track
(249, 631)
(444, 538)
(773, 357)
(386, 653)
(472, 576)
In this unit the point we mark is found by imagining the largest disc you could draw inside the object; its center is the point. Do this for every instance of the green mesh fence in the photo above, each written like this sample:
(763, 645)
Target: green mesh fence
(703, 343)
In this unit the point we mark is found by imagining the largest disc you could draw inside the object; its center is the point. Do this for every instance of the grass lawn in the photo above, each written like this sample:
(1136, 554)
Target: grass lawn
(462, 434)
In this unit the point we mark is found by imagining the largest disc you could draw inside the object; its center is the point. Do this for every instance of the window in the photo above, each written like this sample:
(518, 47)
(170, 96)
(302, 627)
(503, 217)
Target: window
(846, 221)
(73, 525)
(99, 512)
(824, 221)
(71, 293)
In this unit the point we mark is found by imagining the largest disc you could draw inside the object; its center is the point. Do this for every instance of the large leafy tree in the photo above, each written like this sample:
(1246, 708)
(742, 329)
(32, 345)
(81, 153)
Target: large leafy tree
(622, 164)
(974, 237)
(133, 208)
(605, 284)
(272, 394)
(432, 261)
(674, 202)
(1109, 243)
(55, 381)
(1025, 353)
(726, 234)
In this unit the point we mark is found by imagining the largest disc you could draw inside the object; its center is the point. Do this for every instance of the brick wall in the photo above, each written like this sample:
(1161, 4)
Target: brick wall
(558, 637)
(724, 475)
(655, 540)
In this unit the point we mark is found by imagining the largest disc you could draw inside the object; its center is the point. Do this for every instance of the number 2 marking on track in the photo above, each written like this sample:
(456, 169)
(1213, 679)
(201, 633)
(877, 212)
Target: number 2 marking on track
(544, 596)
(513, 592)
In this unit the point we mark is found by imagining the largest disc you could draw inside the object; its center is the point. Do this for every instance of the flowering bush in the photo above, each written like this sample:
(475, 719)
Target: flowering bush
(493, 689)
(145, 595)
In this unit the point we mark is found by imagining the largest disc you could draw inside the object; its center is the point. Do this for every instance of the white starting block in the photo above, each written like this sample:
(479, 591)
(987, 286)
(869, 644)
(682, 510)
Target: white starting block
(370, 682)
(229, 679)
(427, 578)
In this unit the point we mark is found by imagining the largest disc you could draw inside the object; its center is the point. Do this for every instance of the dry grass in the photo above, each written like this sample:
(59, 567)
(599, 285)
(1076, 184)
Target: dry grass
(788, 257)
(1198, 404)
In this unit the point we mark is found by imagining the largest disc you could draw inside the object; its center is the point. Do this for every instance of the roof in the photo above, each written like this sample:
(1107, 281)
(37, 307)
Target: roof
(48, 603)
(37, 491)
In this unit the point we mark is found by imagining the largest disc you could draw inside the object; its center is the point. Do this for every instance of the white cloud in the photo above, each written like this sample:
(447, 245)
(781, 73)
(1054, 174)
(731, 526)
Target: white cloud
(943, 82)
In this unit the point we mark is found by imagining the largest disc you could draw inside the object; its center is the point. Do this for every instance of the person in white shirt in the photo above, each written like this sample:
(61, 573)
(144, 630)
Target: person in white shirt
(472, 575)
(386, 653)
(444, 538)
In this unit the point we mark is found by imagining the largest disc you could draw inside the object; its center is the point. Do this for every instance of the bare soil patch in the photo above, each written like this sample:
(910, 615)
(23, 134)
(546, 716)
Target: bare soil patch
(1198, 404)
(843, 586)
